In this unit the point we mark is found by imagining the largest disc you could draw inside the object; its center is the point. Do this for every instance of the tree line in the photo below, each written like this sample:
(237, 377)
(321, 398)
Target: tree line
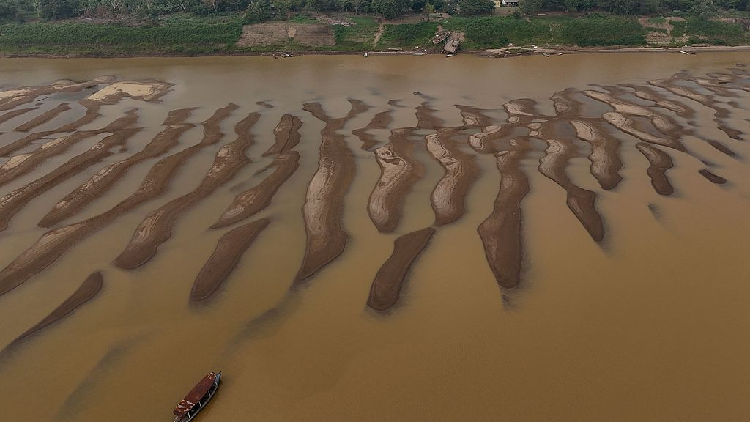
(261, 10)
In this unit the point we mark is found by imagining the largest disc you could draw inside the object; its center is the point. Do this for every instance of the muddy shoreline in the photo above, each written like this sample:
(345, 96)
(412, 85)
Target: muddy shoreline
(562, 49)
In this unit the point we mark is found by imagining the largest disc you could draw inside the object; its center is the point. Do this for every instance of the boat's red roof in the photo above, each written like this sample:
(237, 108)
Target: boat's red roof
(195, 394)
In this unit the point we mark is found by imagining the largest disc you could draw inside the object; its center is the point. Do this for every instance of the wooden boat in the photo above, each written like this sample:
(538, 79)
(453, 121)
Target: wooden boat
(197, 398)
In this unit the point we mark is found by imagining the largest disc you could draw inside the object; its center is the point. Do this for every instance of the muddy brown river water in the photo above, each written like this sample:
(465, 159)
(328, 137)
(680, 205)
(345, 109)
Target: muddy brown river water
(383, 238)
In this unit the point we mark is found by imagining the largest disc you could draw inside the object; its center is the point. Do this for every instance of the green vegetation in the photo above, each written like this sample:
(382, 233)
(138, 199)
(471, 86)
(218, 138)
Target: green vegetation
(183, 36)
(408, 35)
(603, 31)
(356, 37)
(205, 29)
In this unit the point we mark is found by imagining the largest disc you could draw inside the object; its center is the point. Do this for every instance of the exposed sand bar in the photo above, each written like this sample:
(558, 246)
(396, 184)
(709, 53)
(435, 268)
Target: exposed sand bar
(12, 98)
(54, 243)
(461, 171)
(399, 170)
(379, 121)
(521, 111)
(225, 257)
(388, 282)
(156, 227)
(711, 177)
(90, 287)
(473, 116)
(43, 118)
(286, 135)
(580, 201)
(662, 123)
(426, 118)
(604, 157)
(721, 147)
(13, 202)
(15, 113)
(628, 126)
(23, 163)
(257, 198)
(659, 163)
(92, 113)
(649, 94)
(501, 232)
(105, 178)
(324, 200)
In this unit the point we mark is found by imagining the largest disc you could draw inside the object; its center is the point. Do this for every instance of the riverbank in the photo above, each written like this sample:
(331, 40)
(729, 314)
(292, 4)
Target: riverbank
(192, 36)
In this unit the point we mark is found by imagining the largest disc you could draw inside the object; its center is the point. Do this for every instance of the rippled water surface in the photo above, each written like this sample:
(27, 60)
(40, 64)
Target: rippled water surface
(628, 301)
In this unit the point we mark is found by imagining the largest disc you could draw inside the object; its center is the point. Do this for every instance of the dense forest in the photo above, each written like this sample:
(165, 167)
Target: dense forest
(259, 10)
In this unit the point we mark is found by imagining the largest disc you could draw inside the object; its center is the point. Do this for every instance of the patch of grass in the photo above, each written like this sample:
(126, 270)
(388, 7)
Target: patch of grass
(356, 37)
(408, 35)
(184, 36)
(603, 31)
(489, 32)
(303, 18)
(657, 20)
(714, 32)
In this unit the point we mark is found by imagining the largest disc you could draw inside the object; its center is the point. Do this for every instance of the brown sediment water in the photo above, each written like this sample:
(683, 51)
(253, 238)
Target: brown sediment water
(87, 291)
(156, 227)
(43, 118)
(227, 254)
(105, 178)
(501, 232)
(711, 177)
(323, 209)
(13, 202)
(389, 280)
(399, 170)
(461, 171)
(616, 313)
(286, 134)
(257, 198)
(21, 164)
(659, 163)
(380, 121)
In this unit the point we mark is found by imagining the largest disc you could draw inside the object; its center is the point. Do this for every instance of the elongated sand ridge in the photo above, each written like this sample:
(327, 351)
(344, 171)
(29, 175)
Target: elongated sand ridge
(659, 163)
(227, 255)
(257, 198)
(388, 282)
(398, 173)
(43, 118)
(324, 201)
(286, 135)
(54, 243)
(380, 121)
(711, 177)
(580, 201)
(13, 202)
(461, 171)
(108, 176)
(501, 231)
(156, 227)
(21, 164)
(90, 287)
